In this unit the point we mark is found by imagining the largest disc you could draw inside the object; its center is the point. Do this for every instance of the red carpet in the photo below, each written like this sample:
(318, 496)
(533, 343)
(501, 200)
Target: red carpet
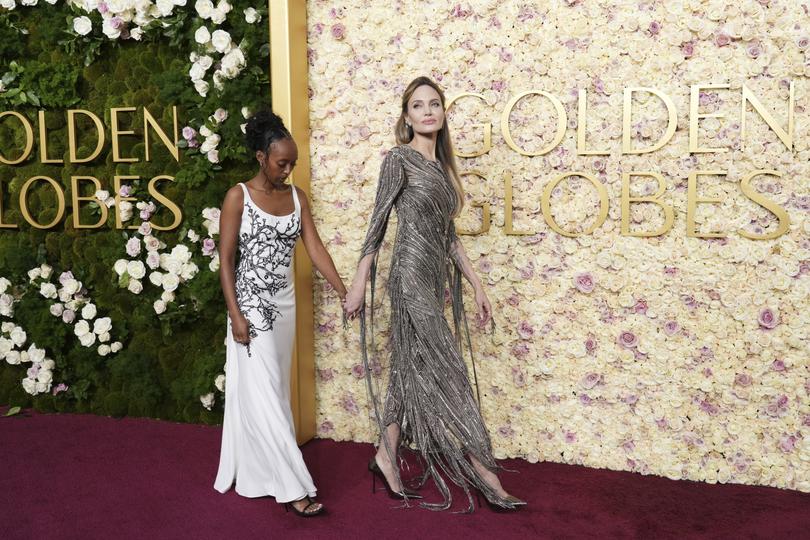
(83, 477)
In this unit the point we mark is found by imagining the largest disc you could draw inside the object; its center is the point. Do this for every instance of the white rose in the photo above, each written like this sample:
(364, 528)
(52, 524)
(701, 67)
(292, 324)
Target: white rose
(214, 264)
(219, 382)
(7, 326)
(72, 286)
(164, 7)
(45, 376)
(6, 346)
(204, 8)
(6, 304)
(4, 285)
(104, 349)
(136, 269)
(252, 16)
(18, 336)
(34, 274)
(245, 113)
(104, 338)
(207, 400)
(88, 339)
(213, 156)
(221, 40)
(102, 325)
(151, 243)
(188, 271)
(121, 265)
(170, 282)
(30, 386)
(136, 33)
(167, 296)
(82, 25)
(135, 286)
(34, 355)
(170, 264)
(201, 87)
(218, 16)
(192, 235)
(220, 115)
(159, 306)
(45, 270)
(156, 279)
(13, 357)
(48, 290)
(89, 311)
(115, 347)
(57, 309)
(125, 210)
(202, 35)
(102, 195)
(82, 328)
(210, 143)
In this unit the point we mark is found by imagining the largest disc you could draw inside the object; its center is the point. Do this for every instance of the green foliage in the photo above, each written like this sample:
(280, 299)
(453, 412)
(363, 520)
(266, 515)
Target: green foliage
(168, 360)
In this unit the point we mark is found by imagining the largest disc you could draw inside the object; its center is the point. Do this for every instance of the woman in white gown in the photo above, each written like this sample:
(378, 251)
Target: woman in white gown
(259, 224)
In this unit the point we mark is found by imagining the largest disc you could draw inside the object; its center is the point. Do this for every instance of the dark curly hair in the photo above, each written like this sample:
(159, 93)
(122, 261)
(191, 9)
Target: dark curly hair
(263, 129)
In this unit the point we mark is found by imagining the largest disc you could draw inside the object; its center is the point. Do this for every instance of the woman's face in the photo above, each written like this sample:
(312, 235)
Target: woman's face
(425, 112)
(279, 161)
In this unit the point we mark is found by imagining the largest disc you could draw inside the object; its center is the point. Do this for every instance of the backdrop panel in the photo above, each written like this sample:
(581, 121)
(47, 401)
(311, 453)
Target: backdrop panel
(638, 192)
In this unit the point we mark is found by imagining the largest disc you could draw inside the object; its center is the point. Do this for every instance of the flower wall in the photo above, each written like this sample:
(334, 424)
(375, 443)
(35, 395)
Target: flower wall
(672, 355)
(111, 320)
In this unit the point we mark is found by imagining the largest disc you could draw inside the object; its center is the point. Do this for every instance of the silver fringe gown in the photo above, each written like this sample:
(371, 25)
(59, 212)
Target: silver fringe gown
(429, 393)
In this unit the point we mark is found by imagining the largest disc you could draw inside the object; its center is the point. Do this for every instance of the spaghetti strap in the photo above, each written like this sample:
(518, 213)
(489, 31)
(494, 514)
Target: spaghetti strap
(295, 199)
(245, 193)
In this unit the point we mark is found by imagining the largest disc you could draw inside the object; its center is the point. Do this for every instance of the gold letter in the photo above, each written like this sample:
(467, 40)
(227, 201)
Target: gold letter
(672, 121)
(173, 208)
(487, 127)
(669, 215)
(43, 141)
(507, 203)
(60, 199)
(582, 112)
(116, 132)
(545, 203)
(4, 225)
(149, 120)
(692, 201)
(562, 122)
(778, 211)
(76, 199)
(486, 220)
(118, 198)
(29, 138)
(786, 138)
(71, 122)
(694, 116)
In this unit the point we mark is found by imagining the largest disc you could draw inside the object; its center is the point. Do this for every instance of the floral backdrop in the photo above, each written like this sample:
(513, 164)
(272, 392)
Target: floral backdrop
(123, 321)
(677, 356)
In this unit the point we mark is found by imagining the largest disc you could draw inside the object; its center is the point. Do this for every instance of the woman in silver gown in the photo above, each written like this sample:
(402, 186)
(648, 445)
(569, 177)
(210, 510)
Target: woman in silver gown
(430, 403)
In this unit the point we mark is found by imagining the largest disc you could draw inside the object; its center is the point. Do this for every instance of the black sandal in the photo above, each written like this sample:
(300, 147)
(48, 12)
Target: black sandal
(304, 512)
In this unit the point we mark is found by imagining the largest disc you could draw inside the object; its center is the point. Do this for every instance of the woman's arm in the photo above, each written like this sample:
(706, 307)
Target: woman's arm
(391, 182)
(321, 259)
(230, 218)
(460, 257)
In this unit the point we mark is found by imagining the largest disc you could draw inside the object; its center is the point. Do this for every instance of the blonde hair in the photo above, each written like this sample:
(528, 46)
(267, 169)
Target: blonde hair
(444, 148)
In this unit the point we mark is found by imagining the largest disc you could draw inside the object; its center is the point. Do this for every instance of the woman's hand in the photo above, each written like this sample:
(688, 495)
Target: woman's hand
(355, 298)
(484, 308)
(240, 329)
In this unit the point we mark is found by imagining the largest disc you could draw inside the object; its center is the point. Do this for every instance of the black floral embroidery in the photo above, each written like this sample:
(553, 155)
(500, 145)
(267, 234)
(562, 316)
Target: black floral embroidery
(265, 252)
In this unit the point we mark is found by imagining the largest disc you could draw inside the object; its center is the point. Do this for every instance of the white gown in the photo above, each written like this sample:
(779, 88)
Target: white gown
(259, 450)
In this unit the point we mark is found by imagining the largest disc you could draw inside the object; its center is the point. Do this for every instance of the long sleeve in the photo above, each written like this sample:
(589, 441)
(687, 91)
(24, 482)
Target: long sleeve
(392, 180)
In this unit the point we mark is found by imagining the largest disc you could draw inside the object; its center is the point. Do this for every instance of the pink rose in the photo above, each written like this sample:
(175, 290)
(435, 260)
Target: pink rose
(189, 133)
(754, 50)
(655, 27)
(778, 365)
(743, 379)
(570, 437)
(208, 247)
(133, 246)
(65, 276)
(338, 31)
(688, 49)
(68, 316)
(628, 339)
(721, 39)
(59, 388)
(787, 443)
(803, 42)
(350, 405)
(591, 344)
(358, 372)
(671, 327)
(525, 330)
(518, 378)
(640, 306)
(125, 191)
(590, 380)
(768, 319)
(326, 427)
(102, 8)
(584, 282)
